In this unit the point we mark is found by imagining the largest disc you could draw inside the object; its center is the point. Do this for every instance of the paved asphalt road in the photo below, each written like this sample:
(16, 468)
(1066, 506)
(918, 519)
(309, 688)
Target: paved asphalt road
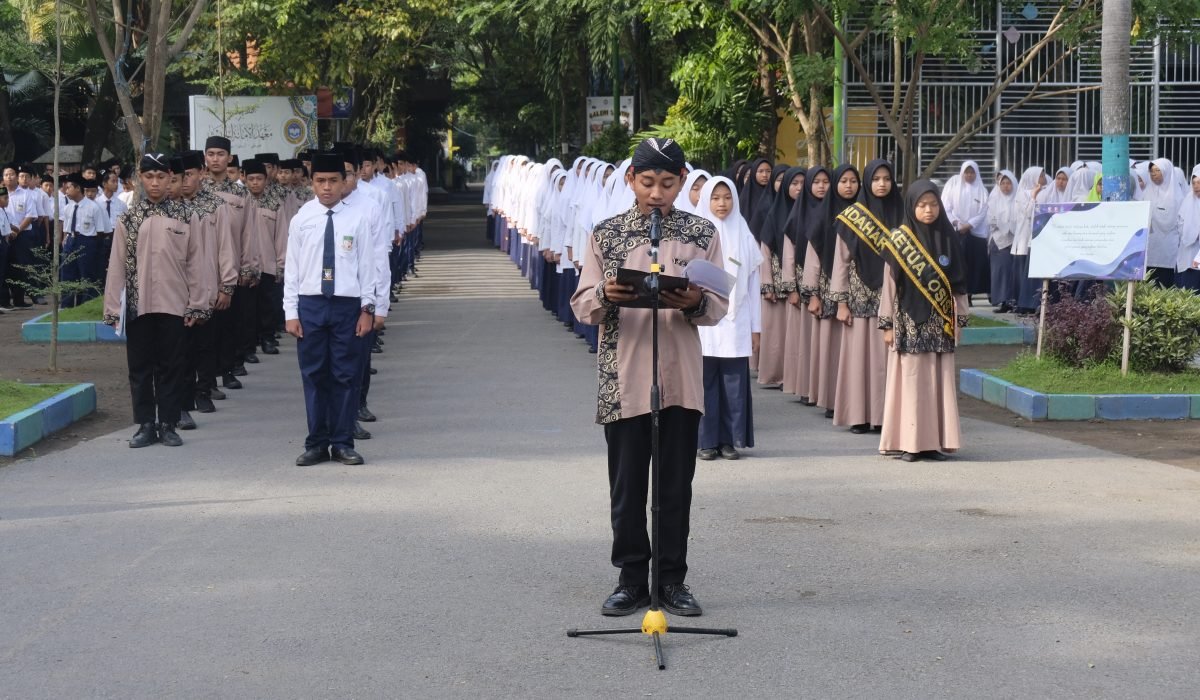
(451, 564)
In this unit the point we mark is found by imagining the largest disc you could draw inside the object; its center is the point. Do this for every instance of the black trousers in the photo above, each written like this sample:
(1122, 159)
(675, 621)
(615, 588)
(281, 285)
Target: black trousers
(245, 302)
(365, 377)
(270, 309)
(628, 483)
(227, 330)
(155, 350)
(198, 376)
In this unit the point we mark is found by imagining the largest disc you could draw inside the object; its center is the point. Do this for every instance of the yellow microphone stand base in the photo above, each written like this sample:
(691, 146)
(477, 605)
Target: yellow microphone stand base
(654, 625)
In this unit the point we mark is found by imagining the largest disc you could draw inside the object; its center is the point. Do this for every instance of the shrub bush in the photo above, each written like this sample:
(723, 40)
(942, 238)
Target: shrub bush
(611, 145)
(1165, 329)
(1079, 332)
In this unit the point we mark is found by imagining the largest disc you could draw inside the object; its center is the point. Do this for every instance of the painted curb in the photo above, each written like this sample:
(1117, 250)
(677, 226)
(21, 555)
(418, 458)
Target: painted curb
(1036, 406)
(37, 330)
(23, 429)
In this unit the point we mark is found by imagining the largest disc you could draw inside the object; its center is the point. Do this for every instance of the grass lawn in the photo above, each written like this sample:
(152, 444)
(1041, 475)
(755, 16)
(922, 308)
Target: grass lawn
(16, 397)
(90, 311)
(988, 322)
(1050, 376)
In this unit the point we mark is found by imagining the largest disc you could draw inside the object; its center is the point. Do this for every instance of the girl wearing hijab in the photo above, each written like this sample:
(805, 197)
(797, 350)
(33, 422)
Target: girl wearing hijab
(825, 349)
(790, 227)
(1187, 266)
(728, 420)
(922, 308)
(769, 233)
(1162, 250)
(856, 284)
(689, 197)
(1058, 192)
(773, 234)
(966, 200)
(1003, 218)
(757, 187)
(1029, 291)
(758, 217)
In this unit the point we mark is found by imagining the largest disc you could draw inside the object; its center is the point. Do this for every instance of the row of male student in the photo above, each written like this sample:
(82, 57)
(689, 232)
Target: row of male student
(207, 270)
(875, 282)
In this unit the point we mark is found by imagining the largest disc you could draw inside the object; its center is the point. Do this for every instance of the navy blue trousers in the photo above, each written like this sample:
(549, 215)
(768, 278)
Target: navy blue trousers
(728, 413)
(84, 266)
(330, 358)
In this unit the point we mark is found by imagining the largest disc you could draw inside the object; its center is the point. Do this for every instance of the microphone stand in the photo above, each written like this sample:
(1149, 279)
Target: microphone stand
(654, 624)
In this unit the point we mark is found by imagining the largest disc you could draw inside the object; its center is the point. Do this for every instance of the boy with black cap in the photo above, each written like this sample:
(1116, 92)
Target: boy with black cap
(329, 306)
(83, 221)
(267, 225)
(155, 288)
(658, 169)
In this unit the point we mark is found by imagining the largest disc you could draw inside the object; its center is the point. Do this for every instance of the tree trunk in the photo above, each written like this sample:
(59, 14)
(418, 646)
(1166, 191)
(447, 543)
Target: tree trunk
(1114, 98)
(769, 139)
(100, 120)
(7, 147)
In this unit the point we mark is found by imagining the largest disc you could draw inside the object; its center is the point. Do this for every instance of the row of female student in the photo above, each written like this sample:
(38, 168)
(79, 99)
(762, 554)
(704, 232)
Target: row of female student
(846, 293)
(997, 226)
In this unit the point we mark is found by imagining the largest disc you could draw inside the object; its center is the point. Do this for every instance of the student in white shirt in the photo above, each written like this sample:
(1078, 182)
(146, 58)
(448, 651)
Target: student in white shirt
(82, 220)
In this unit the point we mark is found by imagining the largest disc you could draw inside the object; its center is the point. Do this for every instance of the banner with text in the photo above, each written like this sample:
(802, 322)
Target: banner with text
(283, 125)
(599, 113)
(1090, 241)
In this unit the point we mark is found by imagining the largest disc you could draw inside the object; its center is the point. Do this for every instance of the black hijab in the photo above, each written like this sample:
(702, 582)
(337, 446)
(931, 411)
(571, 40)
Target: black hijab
(797, 223)
(889, 210)
(762, 210)
(822, 233)
(942, 242)
(752, 193)
(735, 171)
(774, 223)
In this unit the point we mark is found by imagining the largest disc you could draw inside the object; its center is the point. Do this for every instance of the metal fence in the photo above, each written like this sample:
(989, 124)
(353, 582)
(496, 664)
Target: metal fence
(1050, 131)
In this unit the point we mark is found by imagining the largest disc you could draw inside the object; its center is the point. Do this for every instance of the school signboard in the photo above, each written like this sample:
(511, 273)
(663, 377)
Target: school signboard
(1090, 241)
(283, 125)
(599, 114)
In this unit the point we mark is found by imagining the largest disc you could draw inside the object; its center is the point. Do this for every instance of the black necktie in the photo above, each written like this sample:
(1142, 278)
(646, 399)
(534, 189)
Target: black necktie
(108, 206)
(74, 218)
(327, 273)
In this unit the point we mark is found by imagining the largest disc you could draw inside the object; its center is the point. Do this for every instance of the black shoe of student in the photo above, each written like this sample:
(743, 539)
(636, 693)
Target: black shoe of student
(270, 349)
(376, 350)
(365, 415)
(230, 382)
(146, 435)
(393, 298)
(861, 428)
(169, 437)
(346, 455)
(591, 350)
(909, 457)
(204, 404)
(1002, 309)
(314, 456)
(676, 599)
(934, 456)
(625, 600)
(186, 422)
(240, 370)
(708, 454)
(829, 413)
(361, 433)
(216, 394)
(729, 452)
(251, 358)
(373, 371)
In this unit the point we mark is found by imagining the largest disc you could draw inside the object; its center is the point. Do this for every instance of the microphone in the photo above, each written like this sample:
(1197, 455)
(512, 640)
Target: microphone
(651, 280)
(655, 226)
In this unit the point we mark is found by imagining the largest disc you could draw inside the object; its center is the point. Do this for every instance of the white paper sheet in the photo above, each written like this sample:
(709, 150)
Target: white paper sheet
(704, 274)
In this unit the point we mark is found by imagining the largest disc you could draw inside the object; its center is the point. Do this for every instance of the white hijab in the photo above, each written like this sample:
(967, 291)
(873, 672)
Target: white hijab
(965, 200)
(737, 242)
(1189, 227)
(1024, 233)
(1164, 199)
(1003, 214)
(1051, 194)
(683, 201)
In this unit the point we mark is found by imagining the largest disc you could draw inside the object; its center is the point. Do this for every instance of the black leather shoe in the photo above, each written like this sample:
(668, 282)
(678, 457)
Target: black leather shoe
(250, 358)
(146, 435)
(365, 415)
(625, 600)
(169, 437)
(186, 422)
(346, 455)
(708, 454)
(270, 349)
(376, 350)
(729, 452)
(373, 371)
(361, 433)
(829, 413)
(216, 394)
(860, 429)
(934, 456)
(230, 382)
(676, 599)
(314, 456)
(909, 457)
(204, 404)
(239, 371)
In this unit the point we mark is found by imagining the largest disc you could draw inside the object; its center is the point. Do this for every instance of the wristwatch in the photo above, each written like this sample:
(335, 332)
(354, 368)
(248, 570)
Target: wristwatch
(369, 309)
